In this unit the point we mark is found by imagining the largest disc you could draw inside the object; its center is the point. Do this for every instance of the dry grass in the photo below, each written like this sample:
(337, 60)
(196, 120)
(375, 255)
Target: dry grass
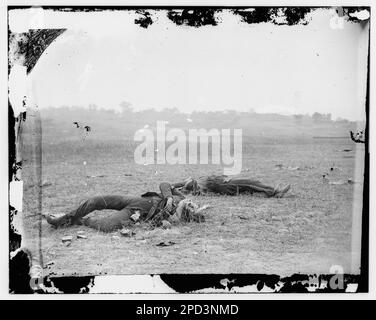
(307, 231)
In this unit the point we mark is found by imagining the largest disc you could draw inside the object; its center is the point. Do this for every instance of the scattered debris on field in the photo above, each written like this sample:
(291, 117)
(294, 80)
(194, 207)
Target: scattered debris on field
(67, 239)
(165, 243)
(127, 232)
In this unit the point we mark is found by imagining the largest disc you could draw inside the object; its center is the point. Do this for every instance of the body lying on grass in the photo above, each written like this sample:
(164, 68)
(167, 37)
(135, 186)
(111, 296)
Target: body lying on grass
(169, 204)
(226, 185)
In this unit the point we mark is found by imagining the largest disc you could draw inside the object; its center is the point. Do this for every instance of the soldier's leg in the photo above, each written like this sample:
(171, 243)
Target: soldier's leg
(257, 186)
(98, 203)
(250, 185)
(90, 205)
(111, 222)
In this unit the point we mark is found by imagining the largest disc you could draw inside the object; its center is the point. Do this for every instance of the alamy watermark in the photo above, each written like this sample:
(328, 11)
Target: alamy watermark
(226, 147)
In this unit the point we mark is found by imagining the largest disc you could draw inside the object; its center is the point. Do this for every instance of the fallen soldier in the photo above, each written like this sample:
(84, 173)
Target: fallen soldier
(229, 186)
(168, 205)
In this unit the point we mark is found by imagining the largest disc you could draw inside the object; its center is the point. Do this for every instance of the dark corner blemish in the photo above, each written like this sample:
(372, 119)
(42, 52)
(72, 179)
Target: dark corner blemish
(296, 283)
(296, 16)
(190, 283)
(144, 20)
(293, 15)
(185, 283)
(37, 43)
(14, 237)
(257, 15)
(260, 280)
(348, 11)
(19, 265)
(11, 142)
(194, 17)
(19, 278)
(32, 44)
(28, 48)
(364, 260)
(73, 284)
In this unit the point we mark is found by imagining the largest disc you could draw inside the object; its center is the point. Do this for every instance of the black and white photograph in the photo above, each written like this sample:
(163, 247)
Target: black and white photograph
(187, 149)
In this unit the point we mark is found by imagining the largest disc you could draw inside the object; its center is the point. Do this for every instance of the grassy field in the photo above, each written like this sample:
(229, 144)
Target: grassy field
(307, 231)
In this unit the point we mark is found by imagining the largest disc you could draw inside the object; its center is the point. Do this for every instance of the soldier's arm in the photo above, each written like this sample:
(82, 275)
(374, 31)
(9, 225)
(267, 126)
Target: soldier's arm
(178, 184)
(169, 190)
(166, 190)
(176, 192)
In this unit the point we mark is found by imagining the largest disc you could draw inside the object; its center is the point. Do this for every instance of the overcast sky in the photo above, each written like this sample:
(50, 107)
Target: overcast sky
(104, 58)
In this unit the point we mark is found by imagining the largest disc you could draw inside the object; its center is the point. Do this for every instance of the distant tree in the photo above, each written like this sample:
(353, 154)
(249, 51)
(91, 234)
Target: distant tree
(230, 112)
(321, 117)
(316, 117)
(173, 110)
(126, 107)
(328, 117)
(342, 121)
(93, 107)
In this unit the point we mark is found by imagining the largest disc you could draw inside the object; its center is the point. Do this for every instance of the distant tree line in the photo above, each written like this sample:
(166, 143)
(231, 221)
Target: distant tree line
(126, 111)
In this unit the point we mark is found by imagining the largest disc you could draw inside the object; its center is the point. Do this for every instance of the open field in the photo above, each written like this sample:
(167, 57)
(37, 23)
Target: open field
(307, 231)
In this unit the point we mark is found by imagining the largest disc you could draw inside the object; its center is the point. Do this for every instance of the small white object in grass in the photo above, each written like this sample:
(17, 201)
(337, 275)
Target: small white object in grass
(126, 232)
(84, 163)
(166, 224)
(81, 236)
(146, 126)
(340, 182)
(136, 216)
(45, 183)
(189, 120)
(67, 239)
